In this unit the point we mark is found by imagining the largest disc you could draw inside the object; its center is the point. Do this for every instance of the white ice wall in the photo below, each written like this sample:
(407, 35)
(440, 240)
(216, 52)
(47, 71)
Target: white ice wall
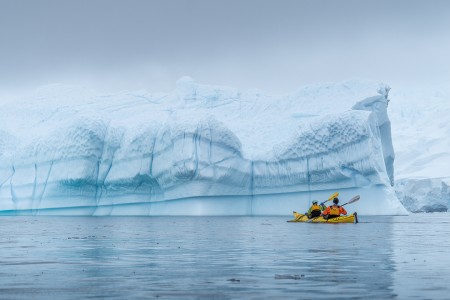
(200, 150)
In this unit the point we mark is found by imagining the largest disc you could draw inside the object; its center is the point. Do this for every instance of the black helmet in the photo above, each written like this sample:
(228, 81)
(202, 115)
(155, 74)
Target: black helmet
(335, 200)
(314, 202)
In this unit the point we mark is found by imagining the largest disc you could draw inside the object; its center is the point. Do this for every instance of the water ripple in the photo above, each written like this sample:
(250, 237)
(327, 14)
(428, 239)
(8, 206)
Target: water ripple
(223, 258)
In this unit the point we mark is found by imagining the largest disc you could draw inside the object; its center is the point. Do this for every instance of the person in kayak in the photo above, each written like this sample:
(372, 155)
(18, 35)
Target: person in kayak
(334, 210)
(315, 210)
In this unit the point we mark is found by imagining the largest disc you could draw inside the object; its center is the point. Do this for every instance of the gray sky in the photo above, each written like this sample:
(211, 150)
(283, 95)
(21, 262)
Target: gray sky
(274, 45)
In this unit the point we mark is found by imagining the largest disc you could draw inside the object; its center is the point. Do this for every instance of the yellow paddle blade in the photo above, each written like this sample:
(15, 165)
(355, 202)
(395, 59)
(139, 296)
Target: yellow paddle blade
(330, 198)
(333, 196)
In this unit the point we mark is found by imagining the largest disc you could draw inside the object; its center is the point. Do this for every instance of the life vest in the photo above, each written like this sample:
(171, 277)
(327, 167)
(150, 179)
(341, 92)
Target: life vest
(334, 210)
(315, 207)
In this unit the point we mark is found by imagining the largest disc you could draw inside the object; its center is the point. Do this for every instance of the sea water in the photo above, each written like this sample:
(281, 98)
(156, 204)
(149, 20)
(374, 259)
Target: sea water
(224, 258)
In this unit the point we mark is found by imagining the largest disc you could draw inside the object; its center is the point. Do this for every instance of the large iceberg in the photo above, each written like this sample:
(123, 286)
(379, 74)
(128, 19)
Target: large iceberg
(200, 150)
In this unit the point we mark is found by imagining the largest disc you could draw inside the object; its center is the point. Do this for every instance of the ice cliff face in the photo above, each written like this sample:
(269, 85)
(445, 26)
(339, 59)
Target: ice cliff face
(202, 150)
(378, 105)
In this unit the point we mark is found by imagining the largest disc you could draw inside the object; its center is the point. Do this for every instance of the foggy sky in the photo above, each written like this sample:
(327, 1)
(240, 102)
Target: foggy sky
(274, 45)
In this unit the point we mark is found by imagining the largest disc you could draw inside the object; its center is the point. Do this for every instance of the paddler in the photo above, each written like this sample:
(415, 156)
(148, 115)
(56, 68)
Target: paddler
(334, 210)
(315, 210)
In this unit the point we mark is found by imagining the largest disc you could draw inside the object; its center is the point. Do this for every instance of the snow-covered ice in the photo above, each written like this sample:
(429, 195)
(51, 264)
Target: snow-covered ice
(200, 150)
(424, 195)
(421, 138)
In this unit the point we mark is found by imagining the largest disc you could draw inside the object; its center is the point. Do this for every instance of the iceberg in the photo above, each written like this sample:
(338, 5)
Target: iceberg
(424, 195)
(421, 140)
(200, 150)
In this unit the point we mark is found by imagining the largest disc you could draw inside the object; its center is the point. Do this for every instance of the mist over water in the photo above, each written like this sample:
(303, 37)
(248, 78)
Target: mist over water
(223, 257)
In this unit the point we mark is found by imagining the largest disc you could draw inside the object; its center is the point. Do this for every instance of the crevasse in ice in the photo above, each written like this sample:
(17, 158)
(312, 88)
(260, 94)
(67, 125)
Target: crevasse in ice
(200, 150)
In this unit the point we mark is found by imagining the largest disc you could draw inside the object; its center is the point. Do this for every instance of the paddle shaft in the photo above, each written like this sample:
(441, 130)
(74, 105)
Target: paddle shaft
(331, 198)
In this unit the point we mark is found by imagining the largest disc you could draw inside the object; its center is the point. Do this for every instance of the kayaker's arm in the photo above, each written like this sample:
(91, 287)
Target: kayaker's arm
(326, 211)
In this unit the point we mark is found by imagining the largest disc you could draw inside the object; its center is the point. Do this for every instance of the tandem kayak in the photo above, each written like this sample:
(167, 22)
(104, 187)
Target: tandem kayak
(342, 219)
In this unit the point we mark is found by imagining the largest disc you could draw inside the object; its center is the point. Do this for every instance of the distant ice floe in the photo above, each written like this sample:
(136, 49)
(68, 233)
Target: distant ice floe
(424, 195)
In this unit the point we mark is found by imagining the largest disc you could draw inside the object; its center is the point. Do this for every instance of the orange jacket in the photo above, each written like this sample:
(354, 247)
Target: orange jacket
(327, 211)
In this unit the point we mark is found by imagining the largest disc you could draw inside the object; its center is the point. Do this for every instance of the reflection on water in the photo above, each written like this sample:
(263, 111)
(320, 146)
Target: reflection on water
(225, 258)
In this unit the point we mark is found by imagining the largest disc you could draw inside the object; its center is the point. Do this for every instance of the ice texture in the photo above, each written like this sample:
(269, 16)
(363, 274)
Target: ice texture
(421, 137)
(200, 150)
(424, 195)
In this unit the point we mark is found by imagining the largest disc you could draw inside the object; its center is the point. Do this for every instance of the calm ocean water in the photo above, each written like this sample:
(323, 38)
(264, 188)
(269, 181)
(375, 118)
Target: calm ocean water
(224, 258)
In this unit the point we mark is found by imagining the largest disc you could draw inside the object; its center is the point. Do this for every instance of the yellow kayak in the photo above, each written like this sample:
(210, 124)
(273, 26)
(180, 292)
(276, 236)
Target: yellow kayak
(342, 219)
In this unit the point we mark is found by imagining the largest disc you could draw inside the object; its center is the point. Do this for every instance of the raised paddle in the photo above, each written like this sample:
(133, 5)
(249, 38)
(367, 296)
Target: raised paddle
(330, 198)
(354, 199)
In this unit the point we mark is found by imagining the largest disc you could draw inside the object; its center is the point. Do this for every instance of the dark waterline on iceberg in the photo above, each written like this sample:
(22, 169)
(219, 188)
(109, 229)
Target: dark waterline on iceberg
(224, 258)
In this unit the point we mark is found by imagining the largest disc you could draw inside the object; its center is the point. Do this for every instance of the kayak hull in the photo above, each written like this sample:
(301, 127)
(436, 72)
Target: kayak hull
(342, 219)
